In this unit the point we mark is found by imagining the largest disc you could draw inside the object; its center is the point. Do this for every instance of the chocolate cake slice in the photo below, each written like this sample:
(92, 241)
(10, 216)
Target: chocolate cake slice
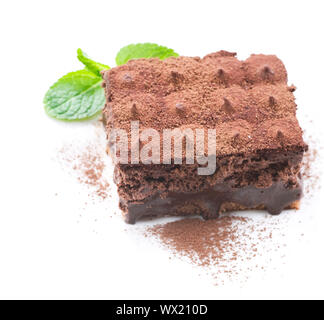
(259, 144)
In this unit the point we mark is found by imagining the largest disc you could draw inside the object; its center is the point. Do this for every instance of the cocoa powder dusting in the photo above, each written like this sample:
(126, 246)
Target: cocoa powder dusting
(89, 167)
(310, 172)
(221, 244)
(204, 242)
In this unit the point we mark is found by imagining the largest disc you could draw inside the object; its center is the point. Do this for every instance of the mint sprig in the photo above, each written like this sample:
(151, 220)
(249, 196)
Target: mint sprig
(76, 96)
(80, 96)
(93, 66)
(143, 50)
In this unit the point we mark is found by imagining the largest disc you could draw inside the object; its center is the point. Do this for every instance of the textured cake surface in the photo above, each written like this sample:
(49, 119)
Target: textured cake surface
(259, 143)
(248, 102)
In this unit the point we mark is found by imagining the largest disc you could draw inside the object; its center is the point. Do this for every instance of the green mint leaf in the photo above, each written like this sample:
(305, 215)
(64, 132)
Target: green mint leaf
(91, 65)
(143, 50)
(76, 96)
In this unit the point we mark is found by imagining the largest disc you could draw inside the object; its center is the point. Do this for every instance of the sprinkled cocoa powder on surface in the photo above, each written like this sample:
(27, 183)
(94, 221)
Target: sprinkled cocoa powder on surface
(92, 166)
(221, 245)
(310, 172)
(89, 166)
(204, 242)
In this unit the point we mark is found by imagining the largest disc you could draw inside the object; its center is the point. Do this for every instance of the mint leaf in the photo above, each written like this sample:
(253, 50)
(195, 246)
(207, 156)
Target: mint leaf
(143, 50)
(76, 96)
(90, 64)
(79, 95)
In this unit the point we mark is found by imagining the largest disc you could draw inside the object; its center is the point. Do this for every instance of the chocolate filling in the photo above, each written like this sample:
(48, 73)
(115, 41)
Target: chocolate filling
(208, 203)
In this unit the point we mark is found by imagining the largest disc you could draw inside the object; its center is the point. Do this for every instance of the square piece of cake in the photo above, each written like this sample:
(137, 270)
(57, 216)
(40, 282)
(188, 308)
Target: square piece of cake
(259, 143)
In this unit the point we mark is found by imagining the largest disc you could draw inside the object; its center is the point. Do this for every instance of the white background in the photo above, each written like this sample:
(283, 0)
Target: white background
(53, 247)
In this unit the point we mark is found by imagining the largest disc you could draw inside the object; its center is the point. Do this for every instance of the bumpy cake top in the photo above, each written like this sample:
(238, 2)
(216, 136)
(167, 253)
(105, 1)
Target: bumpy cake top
(248, 102)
